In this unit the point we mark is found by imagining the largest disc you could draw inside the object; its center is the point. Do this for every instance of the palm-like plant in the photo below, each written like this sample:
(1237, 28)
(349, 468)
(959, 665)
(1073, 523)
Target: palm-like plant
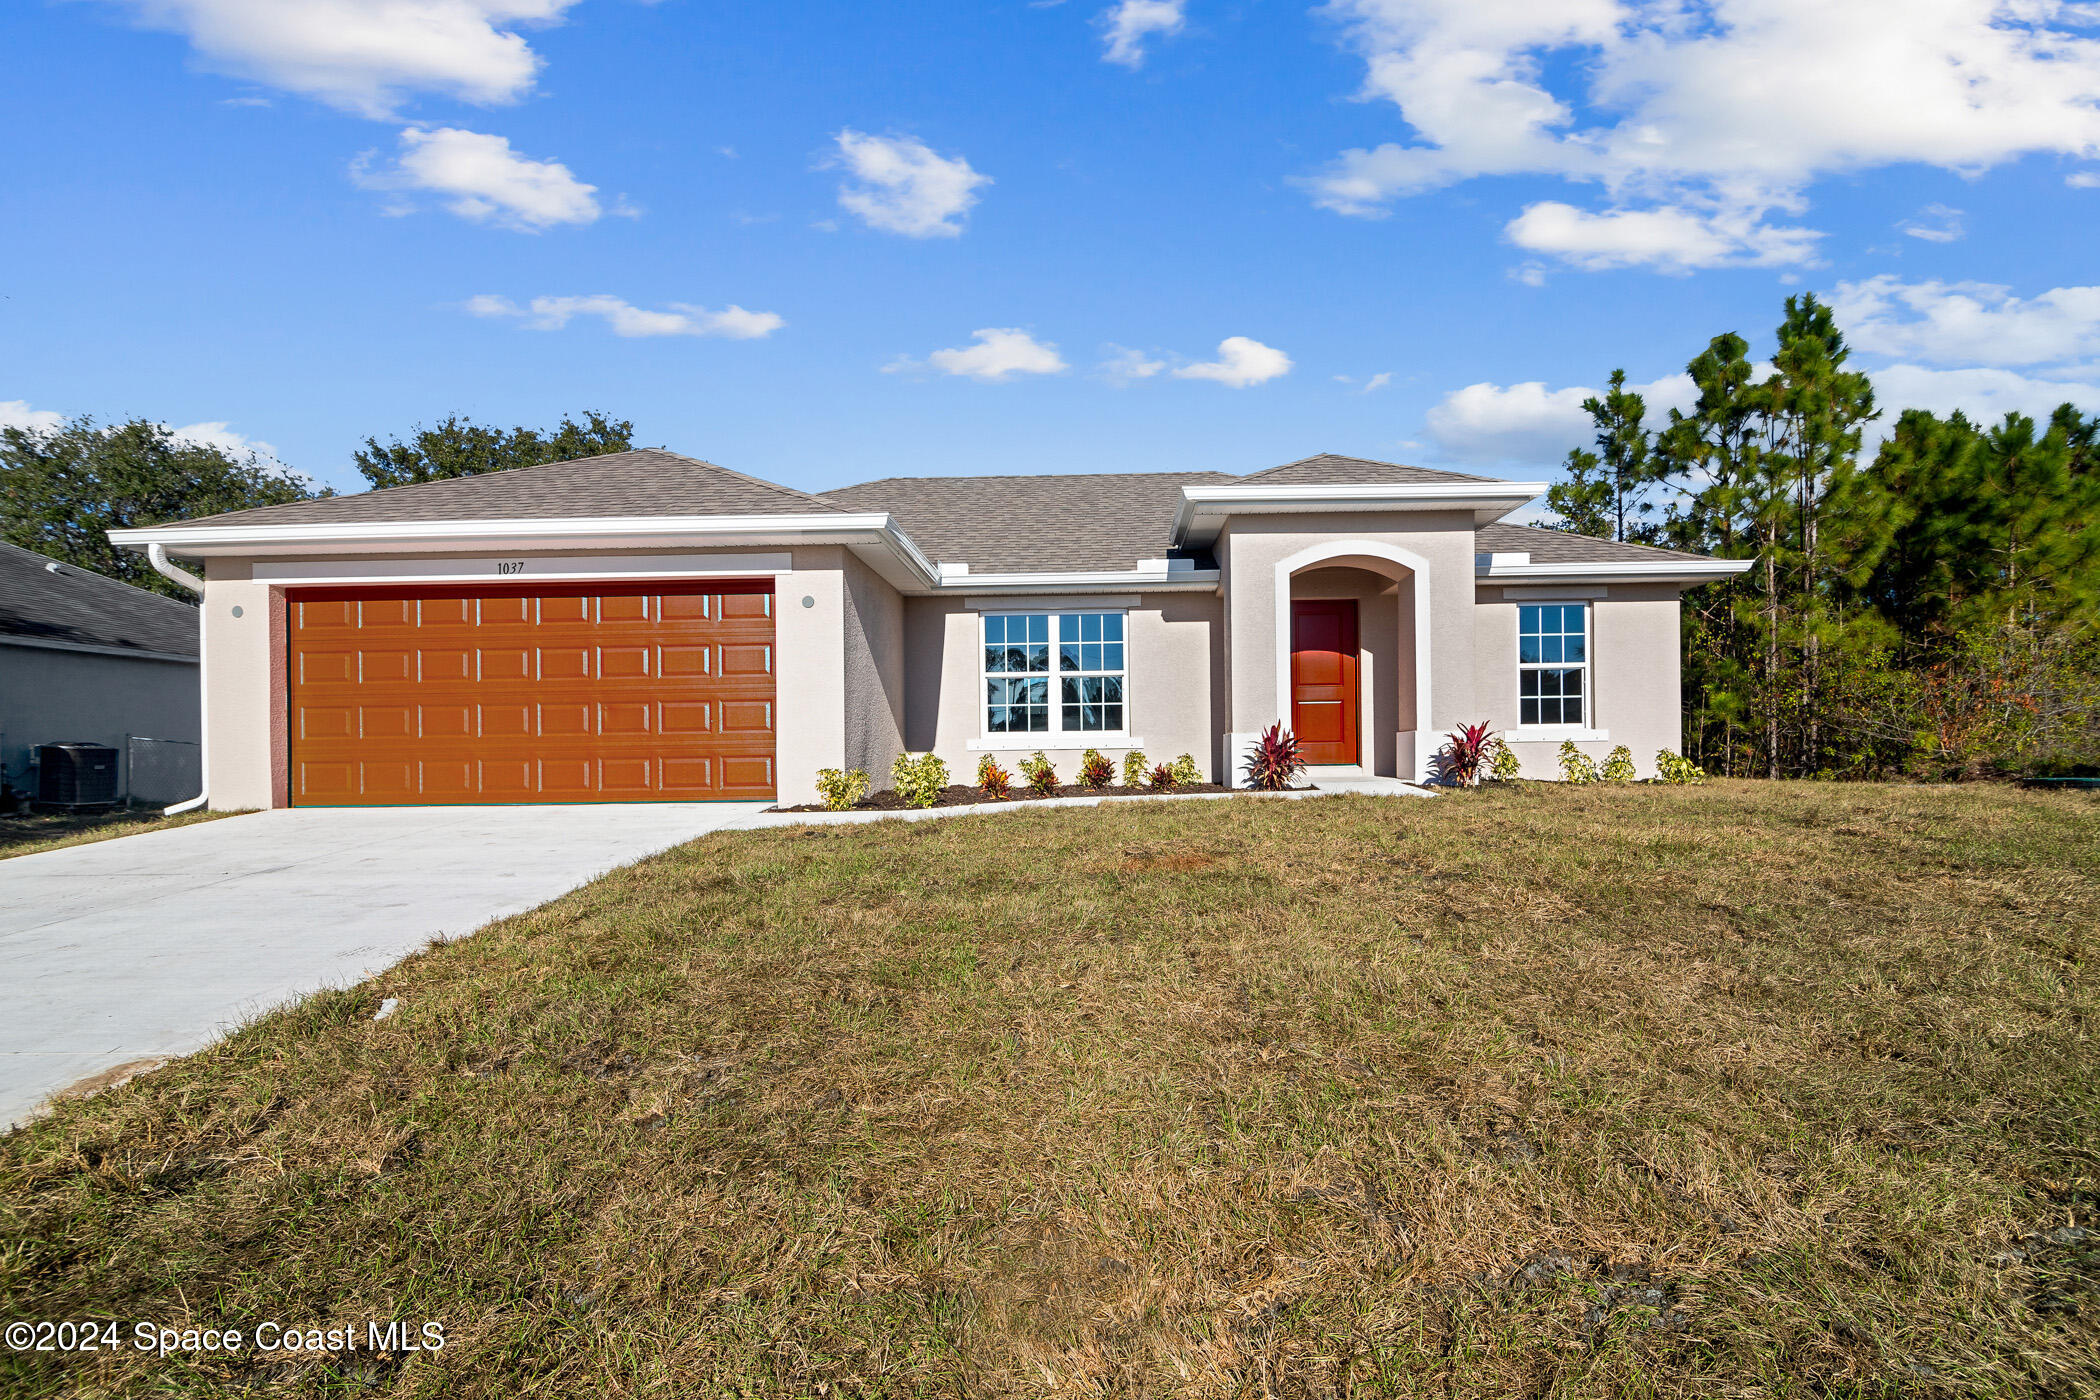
(1274, 760)
(1465, 751)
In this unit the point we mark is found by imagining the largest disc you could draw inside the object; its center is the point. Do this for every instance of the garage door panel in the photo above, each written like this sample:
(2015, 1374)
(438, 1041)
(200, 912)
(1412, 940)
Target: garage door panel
(519, 693)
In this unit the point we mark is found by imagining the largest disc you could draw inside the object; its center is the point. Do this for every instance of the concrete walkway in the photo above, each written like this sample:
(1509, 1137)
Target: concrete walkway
(154, 945)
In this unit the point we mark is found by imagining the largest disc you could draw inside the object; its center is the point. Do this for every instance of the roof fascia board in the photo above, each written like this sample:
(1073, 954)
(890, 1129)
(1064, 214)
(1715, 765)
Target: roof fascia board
(416, 536)
(1497, 499)
(9, 639)
(1152, 581)
(1603, 571)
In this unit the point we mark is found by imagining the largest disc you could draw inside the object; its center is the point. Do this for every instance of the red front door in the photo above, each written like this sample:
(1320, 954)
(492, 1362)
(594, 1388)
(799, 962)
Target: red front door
(1323, 679)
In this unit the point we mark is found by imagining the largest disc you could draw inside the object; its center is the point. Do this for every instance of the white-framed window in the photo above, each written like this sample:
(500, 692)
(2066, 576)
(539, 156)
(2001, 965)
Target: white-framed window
(1055, 674)
(1553, 667)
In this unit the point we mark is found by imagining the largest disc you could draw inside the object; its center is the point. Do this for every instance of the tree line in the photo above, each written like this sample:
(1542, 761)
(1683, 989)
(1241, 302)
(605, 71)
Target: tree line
(63, 488)
(1929, 608)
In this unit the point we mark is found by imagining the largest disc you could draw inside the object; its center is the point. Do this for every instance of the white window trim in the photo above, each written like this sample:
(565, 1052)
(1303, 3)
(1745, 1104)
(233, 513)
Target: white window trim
(1582, 730)
(1054, 738)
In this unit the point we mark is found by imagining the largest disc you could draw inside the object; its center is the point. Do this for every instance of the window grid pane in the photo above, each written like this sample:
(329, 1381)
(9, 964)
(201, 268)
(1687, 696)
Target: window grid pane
(1552, 657)
(1084, 650)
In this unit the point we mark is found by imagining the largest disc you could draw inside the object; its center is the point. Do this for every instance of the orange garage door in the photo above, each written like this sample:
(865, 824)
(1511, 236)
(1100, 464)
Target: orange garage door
(648, 692)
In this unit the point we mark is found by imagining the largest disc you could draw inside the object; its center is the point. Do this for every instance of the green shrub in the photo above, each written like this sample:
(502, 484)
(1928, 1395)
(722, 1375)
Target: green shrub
(1042, 778)
(1676, 768)
(1618, 766)
(1095, 771)
(1502, 762)
(1134, 768)
(1575, 765)
(1185, 770)
(918, 778)
(841, 790)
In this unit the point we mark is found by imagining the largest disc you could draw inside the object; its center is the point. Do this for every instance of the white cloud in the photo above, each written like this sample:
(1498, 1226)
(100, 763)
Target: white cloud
(365, 56)
(1531, 425)
(1371, 385)
(221, 435)
(903, 187)
(1241, 363)
(1730, 108)
(2084, 180)
(628, 320)
(1669, 239)
(1127, 26)
(1972, 323)
(480, 178)
(16, 413)
(1935, 223)
(1986, 395)
(1123, 366)
(1000, 354)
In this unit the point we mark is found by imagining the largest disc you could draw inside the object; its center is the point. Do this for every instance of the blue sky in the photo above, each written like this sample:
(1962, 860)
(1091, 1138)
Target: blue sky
(830, 242)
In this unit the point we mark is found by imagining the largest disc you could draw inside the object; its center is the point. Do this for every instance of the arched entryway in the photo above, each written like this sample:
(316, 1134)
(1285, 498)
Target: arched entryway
(1352, 655)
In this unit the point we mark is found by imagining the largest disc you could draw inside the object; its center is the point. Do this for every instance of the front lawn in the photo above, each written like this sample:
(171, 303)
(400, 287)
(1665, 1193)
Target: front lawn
(1772, 1090)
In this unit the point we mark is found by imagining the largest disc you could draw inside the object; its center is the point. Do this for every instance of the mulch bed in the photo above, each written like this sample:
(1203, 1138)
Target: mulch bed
(961, 795)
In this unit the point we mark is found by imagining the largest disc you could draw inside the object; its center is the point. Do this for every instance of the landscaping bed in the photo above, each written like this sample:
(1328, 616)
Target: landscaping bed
(1733, 1090)
(963, 795)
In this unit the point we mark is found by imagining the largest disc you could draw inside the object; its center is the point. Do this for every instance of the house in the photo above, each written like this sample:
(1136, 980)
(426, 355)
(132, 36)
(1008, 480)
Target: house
(84, 657)
(647, 627)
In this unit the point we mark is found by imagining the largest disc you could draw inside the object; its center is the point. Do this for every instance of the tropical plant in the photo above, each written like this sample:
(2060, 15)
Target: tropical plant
(1186, 772)
(1502, 762)
(1676, 768)
(1575, 765)
(918, 778)
(1162, 777)
(1095, 771)
(1463, 753)
(994, 781)
(842, 788)
(1042, 778)
(1274, 759)
(1134, 768)
(1618, 766)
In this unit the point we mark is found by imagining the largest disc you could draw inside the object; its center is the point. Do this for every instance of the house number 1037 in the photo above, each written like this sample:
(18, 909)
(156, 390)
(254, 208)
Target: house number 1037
(510, 566)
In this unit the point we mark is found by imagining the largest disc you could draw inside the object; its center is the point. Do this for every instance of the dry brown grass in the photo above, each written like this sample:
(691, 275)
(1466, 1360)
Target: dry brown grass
(31, 832)
(1750, 1090)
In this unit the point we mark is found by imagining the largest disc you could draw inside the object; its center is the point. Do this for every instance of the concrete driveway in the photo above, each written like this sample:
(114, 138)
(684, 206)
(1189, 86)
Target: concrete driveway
(154, 945)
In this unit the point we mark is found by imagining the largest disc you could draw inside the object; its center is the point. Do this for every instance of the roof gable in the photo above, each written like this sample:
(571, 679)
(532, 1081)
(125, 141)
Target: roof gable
(643, 482)
(1332, 469)
(42, 600)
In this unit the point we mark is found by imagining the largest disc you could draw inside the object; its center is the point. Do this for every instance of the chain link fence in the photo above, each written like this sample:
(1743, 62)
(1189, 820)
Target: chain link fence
(160, 772)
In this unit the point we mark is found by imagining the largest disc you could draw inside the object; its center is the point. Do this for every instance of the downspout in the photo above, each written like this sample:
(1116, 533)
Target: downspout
(157, 556)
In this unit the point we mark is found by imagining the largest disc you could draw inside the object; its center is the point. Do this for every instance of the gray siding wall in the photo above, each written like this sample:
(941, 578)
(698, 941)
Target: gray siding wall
(49, 696)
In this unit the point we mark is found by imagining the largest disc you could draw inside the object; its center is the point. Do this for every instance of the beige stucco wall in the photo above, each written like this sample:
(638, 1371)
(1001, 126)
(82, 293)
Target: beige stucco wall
(1253, 547)
(1174, 670)
(1635, 655)
(872, 639)
(816, 682)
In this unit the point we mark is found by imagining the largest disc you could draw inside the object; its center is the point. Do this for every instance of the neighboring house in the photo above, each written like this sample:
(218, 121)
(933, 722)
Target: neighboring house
(84, 657)
(648, 627)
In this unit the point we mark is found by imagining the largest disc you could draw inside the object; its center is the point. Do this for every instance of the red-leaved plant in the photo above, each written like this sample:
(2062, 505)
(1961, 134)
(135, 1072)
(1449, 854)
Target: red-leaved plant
(1162, 777)
(1042, 778)
(995, 782)
(1464, 752)
(1095, 771)
(1274, 761)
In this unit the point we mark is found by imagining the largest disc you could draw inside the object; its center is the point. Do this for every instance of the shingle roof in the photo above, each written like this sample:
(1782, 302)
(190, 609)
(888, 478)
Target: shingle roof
(643, 482)
(1331, 469)
(1033, 524)
(44, 600)
(1561, 547)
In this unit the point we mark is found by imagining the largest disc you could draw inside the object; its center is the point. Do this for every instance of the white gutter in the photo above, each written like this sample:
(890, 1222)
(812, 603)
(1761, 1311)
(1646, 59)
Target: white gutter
(157, 556)
(1109, 578)
(1660, 571)
(619, 532)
